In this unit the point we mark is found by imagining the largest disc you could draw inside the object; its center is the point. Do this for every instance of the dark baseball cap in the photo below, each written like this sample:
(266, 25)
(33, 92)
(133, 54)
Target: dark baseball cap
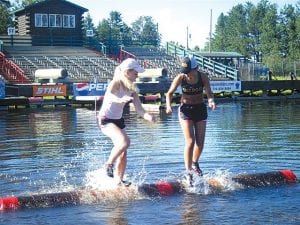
(187, 64)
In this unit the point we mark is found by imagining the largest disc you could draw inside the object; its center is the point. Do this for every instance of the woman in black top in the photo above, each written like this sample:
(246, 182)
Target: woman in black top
(192, 111)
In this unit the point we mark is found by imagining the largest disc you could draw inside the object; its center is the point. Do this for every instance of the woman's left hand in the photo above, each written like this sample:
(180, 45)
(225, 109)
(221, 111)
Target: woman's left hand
(149, 117)
(212, 104)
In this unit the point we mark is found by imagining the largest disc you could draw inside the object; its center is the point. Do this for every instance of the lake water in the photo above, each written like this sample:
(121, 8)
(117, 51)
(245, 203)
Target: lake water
(61, 149)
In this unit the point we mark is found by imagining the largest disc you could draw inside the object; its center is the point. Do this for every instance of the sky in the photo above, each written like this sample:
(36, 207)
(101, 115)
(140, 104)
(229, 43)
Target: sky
(183, 21)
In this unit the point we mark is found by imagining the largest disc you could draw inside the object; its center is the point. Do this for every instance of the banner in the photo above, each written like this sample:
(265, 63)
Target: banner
(49, 90)
(2, 89)
(89, 89)
(220, 86)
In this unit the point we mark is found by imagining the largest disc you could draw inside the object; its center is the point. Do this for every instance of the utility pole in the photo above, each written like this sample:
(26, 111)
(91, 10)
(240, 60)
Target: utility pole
(210, 31)
(187, 37)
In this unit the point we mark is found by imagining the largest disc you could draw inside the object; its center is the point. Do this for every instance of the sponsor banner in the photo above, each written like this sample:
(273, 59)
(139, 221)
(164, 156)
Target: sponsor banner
(89, 89)
(217, 86)
(49, 90)
(2, 89)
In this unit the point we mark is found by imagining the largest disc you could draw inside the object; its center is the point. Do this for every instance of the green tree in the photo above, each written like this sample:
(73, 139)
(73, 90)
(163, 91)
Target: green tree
(103, 30)
(5, 19)
(145, 31)
(256, 18)
(270, 44)
(7, 9)
(297, 31)
(88, 24)
(113, 32)
(252, 29)
(290, 31)
(4, 3)
(260, 32)
(16, 5)
(231, 31)
(220, 37)
(238, 36)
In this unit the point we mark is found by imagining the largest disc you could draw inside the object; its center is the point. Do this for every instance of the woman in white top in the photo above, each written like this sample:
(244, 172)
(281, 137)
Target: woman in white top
(120, 91)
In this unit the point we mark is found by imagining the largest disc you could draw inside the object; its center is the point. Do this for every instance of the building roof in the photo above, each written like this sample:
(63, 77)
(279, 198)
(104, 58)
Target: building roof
(221, 54)
(37, 4)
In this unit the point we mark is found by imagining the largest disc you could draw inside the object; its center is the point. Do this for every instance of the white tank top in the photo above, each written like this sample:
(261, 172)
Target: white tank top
(111, 109)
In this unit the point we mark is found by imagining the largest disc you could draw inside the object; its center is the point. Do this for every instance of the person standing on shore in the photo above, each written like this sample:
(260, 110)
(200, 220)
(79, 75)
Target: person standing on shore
(293, 76)
(120, 91)
(192, 111)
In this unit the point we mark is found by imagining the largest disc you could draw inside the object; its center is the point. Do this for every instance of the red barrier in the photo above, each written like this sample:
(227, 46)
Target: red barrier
(11, 71)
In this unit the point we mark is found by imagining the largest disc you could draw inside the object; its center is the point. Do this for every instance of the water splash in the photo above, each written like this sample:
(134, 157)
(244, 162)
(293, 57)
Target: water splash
(98, 179)
(101, 188)
(214, 182)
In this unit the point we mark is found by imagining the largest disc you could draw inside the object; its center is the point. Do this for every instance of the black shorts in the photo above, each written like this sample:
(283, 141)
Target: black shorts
(118, 122)
(195, 113)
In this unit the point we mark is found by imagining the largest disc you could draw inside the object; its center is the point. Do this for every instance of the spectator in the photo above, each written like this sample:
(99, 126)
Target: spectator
(293, 76)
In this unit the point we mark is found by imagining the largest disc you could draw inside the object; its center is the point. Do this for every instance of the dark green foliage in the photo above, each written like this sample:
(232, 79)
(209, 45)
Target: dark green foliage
(261, 32)
(5, 20)
(114, 32)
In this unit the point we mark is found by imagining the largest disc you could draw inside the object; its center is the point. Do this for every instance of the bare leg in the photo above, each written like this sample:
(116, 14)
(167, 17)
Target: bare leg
(188, 133)
(200, 129)
(121, 143)
(121, 165)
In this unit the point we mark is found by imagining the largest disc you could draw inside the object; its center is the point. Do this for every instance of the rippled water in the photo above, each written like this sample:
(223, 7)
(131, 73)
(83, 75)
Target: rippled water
(61, 149)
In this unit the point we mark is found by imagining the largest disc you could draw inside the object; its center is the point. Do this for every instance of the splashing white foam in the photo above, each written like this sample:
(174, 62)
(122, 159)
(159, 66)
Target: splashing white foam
(216, 181)
(98, 179)
(101, 188)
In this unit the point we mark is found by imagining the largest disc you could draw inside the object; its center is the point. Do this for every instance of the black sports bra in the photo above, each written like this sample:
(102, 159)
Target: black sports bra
(192, 89)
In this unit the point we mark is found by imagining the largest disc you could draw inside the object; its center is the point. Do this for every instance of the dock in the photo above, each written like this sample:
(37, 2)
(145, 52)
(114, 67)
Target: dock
(21, 96)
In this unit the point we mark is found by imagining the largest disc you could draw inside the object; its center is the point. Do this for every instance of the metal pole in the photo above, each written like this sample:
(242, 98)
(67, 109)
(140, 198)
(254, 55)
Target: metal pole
(295, 68)
(210, 31)
(187, 38)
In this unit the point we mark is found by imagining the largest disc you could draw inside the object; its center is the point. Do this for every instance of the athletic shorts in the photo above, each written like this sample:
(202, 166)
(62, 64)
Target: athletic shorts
(195, 113)
(118, 122)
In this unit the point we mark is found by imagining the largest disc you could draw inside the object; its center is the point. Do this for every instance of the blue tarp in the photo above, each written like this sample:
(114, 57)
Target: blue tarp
(2, 89)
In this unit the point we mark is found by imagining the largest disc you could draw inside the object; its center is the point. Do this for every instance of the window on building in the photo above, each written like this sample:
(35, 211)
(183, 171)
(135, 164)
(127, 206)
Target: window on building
(54, 20)
(69, 21)
(41, 20)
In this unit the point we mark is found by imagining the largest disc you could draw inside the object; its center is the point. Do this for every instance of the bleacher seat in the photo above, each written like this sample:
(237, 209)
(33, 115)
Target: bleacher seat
(82, 64)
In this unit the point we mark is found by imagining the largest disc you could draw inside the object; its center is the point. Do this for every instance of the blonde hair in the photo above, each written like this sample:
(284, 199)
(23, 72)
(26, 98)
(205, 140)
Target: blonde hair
(121, 79)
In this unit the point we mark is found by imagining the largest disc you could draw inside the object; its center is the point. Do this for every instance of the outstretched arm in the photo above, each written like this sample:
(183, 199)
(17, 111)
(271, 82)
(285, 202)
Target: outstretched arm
(208, 91)
(140, 110)
(176, 82)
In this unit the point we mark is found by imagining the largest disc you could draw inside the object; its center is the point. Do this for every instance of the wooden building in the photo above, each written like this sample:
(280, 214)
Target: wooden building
(51, 22)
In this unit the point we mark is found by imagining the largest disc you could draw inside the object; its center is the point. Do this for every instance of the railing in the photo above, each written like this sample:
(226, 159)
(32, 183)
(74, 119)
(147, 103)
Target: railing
(11, 71)
(16, 40)
(124, 54)
(95, 44)
(205, 63)
(217, 68)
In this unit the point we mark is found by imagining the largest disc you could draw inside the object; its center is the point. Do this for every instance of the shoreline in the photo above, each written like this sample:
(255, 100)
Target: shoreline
(25, 102)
